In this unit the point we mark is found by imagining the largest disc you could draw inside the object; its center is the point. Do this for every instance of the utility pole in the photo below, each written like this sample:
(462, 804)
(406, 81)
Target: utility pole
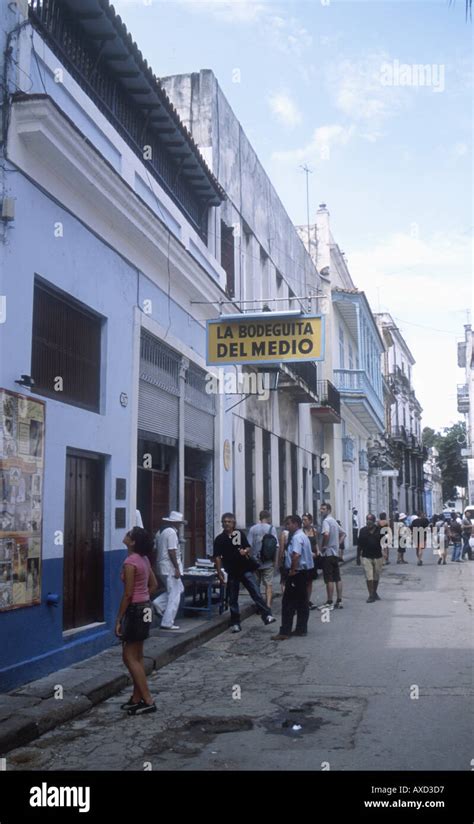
(305, 168)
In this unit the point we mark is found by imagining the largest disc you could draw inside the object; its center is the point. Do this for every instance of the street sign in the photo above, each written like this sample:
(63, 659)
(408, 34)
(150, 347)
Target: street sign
(265, 338)
(389, 473)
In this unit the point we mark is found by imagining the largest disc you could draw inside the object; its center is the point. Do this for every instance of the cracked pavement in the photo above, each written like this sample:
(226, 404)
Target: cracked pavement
(384, 686)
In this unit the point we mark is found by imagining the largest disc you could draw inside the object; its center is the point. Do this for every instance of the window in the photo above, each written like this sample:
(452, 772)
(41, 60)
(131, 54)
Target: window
(351, 357)
(341, 348)
(227, 257)
(65, 357)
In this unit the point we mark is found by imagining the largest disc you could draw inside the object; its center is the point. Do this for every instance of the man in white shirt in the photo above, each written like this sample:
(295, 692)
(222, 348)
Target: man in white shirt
(331, 536)
(298, 561)
(170, 569)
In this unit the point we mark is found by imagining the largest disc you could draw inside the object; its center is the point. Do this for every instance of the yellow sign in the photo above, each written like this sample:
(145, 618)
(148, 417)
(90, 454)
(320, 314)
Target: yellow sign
(261, 340)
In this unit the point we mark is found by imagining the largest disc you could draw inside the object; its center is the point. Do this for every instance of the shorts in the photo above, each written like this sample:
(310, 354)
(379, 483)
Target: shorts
(331, 571)
(265, 575)
(372, 568)
(136, 622)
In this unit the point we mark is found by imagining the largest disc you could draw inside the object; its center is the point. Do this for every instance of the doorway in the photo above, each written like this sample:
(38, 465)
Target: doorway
(83, 590)
(195, 515)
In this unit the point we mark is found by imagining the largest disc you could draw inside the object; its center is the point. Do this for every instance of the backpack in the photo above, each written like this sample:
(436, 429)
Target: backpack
(269, 547)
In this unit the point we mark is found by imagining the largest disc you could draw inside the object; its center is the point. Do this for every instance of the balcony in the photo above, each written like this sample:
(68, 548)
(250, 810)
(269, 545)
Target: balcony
(347, 450)
(363, 461)
(301, 380)
(96, 49)
(399, 434)
(359, 394)
(463, 398)
(329, 408)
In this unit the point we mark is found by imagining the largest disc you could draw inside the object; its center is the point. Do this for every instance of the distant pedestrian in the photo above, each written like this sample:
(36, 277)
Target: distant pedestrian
(170, 568)
(312, 535)
(355, 526)
(443, 539)
(232, 552)
(384, 524)
(298, 562)
(418, 530)
(331, 536)
(370, 551)
(342, 545)
(466, 526)
(264, 545)
(455, 536)
(133, 620)
(403, 538)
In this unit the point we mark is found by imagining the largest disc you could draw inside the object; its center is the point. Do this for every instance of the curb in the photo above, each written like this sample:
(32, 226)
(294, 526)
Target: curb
(90, 682)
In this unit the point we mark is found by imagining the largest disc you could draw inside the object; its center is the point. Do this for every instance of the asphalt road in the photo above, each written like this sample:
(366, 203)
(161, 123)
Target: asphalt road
(384, 686)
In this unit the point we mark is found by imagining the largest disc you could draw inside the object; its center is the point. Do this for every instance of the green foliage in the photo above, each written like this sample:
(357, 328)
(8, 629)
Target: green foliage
(449, 443)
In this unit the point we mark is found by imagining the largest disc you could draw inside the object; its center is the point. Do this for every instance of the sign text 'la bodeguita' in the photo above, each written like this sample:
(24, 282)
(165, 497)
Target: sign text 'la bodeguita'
(253, 341)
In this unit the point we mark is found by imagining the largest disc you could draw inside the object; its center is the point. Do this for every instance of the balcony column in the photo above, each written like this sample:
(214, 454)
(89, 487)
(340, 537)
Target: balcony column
(360, 339)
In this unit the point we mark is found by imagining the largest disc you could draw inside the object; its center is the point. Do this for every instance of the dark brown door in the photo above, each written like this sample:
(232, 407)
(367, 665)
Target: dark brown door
(195, 515)
(83, 600)
(160, 498)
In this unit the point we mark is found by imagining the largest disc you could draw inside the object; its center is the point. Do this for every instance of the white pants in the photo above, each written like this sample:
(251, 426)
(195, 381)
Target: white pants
(168, 602)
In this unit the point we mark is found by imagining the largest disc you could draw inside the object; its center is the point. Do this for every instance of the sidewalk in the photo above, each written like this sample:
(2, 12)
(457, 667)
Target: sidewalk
(28, 712)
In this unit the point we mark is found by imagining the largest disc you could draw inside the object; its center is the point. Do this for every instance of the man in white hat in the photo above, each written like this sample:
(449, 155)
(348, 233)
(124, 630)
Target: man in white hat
(170, 569)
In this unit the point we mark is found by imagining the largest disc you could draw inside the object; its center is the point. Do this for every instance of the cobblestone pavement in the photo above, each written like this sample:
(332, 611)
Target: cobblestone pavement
(377, 687)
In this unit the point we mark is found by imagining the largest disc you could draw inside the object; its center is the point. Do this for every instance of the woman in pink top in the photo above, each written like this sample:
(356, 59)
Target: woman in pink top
(134, 616)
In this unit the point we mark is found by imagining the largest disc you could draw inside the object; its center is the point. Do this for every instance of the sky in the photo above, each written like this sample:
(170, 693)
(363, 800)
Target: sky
(337, 86)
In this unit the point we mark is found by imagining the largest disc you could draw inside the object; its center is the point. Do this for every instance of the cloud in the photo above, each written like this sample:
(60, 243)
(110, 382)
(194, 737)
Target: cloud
(285, 109)
(319, 147)
(460, 149)
(360, 94)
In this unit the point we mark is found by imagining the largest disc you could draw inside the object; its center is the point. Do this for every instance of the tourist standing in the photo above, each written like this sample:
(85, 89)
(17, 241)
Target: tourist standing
(298, 562)
(312, 535)
(331, 536)
(170, 568)
(133, 620)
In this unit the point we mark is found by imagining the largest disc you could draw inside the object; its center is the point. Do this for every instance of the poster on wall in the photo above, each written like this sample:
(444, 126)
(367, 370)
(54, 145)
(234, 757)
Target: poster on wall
(21, 499)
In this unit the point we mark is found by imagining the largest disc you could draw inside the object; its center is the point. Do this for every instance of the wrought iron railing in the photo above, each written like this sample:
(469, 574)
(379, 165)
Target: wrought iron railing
(307, 371)
(73, 47)
(329, 396)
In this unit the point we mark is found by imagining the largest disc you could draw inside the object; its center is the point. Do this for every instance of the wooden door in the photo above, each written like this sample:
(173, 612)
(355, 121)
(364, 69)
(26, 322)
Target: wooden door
(160, 498)
(83, 593)
(195, 515)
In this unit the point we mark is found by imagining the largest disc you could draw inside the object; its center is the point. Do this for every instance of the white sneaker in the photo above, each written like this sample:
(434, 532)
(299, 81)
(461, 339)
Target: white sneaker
(269, 620)
(327, 605)
(173, 627)
(236, 628)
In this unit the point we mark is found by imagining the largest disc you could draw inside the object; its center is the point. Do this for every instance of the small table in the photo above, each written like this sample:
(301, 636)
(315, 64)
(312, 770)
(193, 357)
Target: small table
(203, 581)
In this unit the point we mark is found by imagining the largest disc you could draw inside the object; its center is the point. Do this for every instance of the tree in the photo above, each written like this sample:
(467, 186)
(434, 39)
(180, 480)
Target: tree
(428, 437)
(449, 443)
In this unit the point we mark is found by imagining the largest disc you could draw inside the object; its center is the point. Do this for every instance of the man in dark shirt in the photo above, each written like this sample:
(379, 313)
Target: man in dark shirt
(232, 552)
(418, 527)
(368, 546)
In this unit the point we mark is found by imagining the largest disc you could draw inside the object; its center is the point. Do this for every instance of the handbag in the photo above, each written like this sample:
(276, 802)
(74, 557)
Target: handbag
(252, 564)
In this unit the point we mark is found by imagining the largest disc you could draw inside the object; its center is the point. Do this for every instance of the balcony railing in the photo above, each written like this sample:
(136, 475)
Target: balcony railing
(352, 382)
(84, 58)
(347, 449)
(307, 371)
(399, 433)
(328, 410)
(363, 461)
